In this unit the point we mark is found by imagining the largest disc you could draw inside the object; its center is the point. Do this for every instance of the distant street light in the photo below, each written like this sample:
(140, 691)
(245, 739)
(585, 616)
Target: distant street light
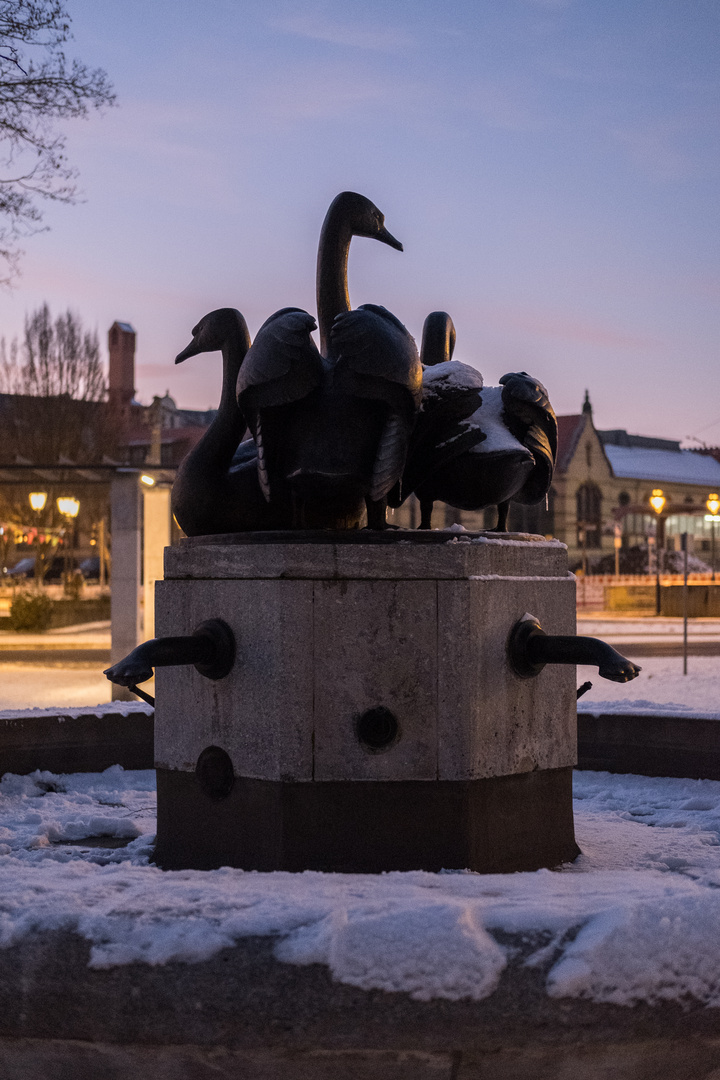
(148, 481)
(37, 503)
(657, 501)
(713, 505)
(69, 507)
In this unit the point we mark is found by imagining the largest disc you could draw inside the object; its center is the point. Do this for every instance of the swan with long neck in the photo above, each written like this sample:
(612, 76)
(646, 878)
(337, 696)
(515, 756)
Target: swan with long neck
(349, 215)
(211, 494)
(332, 426)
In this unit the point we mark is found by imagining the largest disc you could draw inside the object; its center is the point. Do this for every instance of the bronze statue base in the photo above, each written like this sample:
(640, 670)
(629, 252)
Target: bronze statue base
(496, 825)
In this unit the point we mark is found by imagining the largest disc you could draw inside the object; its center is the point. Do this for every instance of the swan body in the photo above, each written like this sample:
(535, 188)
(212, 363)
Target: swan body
(502, 449)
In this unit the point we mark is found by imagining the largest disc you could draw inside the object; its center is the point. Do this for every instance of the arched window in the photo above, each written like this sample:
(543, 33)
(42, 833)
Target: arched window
(589, 516)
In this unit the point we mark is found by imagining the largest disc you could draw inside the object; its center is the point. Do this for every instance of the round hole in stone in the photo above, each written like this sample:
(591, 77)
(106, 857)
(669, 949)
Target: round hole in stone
(215, 773)
(377, 729)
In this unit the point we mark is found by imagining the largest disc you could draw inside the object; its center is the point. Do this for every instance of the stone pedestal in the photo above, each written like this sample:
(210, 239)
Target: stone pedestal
(371, 721)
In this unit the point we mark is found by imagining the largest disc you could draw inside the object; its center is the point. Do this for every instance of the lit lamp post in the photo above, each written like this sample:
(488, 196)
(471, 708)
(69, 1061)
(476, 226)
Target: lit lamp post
(37, 503)
(657, 501)
(713, 505)
(69, 507)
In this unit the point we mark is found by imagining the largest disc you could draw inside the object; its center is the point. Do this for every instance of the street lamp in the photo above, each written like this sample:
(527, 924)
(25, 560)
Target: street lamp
(657, 501)
(713, 505)
(37, 503)
(69, 507)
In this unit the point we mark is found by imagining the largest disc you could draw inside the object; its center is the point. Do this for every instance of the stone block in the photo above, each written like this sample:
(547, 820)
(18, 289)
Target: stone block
(261, 713)
(375, 645)
(219, 557)
(491, 722)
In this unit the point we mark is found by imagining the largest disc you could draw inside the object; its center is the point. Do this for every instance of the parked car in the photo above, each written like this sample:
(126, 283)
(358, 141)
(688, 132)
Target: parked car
(90, 568)
(22, 569)
(25, 568)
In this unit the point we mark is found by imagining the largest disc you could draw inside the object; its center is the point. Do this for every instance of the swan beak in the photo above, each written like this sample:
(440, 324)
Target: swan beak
(190, 350)
(387, 238)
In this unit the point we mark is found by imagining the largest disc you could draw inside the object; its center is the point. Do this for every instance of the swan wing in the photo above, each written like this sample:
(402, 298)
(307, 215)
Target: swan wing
(527, 404)
(283, 363)
(446, 425)
(372, 343)
(530, 417)
(391, 456)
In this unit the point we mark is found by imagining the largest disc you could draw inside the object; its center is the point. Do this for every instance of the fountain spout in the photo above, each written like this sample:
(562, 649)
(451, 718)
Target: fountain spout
(530, 649)
(210, 649)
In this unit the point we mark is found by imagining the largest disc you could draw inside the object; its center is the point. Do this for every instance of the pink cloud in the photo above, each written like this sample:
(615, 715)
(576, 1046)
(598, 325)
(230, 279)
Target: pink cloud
(569, 328)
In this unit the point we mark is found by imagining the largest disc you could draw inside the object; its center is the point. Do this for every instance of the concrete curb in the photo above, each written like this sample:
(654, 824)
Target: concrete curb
(659, 745)
(242, 1014)
(90, 740)
(77, 740)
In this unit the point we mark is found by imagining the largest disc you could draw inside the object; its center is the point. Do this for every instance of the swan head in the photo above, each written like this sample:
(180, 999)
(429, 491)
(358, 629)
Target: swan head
(362, 217)
(213, 331)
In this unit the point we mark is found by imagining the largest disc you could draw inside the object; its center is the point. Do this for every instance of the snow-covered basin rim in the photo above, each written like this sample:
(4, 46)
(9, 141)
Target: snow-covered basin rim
(429, 935)
(628, 707)
(634, 919)
(114, 708)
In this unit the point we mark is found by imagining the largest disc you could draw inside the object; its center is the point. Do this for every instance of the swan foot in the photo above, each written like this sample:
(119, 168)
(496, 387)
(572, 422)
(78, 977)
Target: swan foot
(503, 509)
(377, 514)
(426, 509)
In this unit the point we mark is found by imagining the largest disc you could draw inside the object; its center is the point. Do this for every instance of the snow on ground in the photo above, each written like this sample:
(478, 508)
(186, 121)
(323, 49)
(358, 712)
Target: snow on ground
(44, 686)
(635, 918)
(660, 687)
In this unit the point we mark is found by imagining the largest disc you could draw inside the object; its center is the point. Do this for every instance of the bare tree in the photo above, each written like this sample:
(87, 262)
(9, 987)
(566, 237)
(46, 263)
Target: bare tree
(53, 410)
(38, 87)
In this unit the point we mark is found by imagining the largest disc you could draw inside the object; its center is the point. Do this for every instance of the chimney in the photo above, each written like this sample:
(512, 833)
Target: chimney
(121, 347)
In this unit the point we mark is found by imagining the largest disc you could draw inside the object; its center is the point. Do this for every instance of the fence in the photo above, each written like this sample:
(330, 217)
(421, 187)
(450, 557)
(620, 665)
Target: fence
(638, 592)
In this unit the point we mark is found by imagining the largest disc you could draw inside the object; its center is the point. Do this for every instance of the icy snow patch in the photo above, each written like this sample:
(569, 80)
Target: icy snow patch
(42, 813)
(489, 419)
(123, 708)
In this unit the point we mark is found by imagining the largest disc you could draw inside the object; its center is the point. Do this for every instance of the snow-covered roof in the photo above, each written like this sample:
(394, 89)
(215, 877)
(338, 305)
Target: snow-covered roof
(570, 429)
(683, 466)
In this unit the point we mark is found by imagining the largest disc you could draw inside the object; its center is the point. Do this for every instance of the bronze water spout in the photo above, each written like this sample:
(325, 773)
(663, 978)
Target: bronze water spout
(530, 649)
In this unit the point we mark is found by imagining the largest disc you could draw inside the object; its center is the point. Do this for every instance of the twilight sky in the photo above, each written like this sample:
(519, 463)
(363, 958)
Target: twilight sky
(551, 167)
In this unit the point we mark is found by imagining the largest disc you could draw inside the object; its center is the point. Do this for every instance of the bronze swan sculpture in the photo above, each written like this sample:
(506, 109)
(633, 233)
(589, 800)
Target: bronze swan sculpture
(503, 449)
(216, 489)
(333, 425)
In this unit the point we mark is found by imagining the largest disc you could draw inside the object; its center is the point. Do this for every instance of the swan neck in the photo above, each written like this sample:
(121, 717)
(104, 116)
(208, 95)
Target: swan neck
(227, 428)
(332, 287)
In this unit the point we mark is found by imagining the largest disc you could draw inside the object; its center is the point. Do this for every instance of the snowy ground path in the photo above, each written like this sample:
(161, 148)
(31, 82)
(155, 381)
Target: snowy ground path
(660, 688)
(636, 917)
